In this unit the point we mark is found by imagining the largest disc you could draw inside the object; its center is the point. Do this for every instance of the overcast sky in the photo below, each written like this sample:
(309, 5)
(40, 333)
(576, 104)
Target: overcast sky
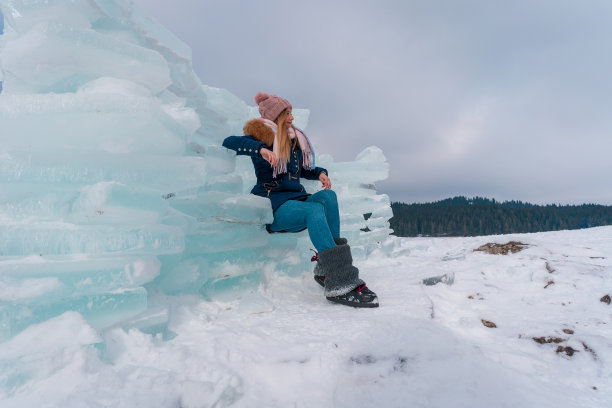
(509, 100)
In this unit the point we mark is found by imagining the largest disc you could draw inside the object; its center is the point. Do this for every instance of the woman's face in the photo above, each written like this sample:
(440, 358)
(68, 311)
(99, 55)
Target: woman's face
(289, 119)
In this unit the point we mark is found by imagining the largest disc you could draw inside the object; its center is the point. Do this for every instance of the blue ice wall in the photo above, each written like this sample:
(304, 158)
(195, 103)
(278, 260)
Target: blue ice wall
(1, 32)
(114, 189)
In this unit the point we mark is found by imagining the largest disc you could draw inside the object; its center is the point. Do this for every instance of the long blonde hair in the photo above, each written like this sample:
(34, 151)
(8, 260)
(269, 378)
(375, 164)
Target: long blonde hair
(284, 141)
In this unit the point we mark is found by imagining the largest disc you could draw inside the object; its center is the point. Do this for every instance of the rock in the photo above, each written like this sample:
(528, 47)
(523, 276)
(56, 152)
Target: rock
(590, 350)
(447, 278)
(502, 249)
(605, 299)
(544, 340)
(567, 350)
(488, 323)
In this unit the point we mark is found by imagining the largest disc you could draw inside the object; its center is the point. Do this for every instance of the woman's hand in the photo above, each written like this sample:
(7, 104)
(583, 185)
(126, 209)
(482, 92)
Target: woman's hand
(269, 156)
(325, 181)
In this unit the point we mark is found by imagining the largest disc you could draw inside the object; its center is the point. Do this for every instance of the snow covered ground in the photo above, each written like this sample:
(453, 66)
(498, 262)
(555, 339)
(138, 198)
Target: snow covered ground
(426, 346)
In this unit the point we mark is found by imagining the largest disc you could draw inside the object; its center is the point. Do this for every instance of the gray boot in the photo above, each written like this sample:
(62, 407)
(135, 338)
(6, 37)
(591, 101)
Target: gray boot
(340, 241)
(317, 269)
(336, 264)
(342, 283)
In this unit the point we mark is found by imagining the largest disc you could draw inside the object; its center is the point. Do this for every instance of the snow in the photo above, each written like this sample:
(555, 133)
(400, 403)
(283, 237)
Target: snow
(426, 345)
(136, 271)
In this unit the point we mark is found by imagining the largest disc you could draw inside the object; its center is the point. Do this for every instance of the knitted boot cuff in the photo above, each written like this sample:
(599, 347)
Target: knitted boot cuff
(340, 275)
(318, 271)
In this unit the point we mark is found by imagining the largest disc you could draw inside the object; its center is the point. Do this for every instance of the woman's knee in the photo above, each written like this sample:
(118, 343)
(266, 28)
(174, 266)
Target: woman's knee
(328, 194)
(326, 197)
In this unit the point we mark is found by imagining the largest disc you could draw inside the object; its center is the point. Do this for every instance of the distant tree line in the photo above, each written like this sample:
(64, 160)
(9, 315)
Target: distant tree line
(461, 216)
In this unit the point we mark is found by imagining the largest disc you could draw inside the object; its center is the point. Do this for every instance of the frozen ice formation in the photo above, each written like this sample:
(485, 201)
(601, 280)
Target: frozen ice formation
(114, 189)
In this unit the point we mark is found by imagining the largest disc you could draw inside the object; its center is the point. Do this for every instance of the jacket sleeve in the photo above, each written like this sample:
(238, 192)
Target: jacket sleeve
(313, 174)
(244, 145)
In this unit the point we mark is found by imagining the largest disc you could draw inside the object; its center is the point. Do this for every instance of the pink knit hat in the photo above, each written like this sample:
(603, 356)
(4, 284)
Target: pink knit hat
(270, 106)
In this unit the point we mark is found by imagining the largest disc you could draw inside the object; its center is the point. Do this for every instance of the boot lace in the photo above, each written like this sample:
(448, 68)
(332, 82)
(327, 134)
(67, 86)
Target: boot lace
(315, 257)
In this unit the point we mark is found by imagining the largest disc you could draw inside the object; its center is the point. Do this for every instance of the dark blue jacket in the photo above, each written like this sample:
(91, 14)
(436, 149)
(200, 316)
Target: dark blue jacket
(283, 187)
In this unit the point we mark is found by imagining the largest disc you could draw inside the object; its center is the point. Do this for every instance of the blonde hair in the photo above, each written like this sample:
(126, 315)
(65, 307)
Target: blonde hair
(284, 141)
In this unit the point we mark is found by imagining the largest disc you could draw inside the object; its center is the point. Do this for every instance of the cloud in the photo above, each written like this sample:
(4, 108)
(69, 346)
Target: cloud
(506, 100)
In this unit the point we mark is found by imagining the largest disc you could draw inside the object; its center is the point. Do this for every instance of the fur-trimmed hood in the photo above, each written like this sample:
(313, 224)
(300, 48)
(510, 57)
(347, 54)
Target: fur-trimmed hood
(260, 131)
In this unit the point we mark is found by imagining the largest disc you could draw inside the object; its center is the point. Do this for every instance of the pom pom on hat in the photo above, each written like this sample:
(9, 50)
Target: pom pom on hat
(260, 97)
(270, 106)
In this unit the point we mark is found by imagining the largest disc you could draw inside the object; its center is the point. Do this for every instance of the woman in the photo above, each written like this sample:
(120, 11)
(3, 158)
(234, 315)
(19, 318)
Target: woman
(281, 154)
